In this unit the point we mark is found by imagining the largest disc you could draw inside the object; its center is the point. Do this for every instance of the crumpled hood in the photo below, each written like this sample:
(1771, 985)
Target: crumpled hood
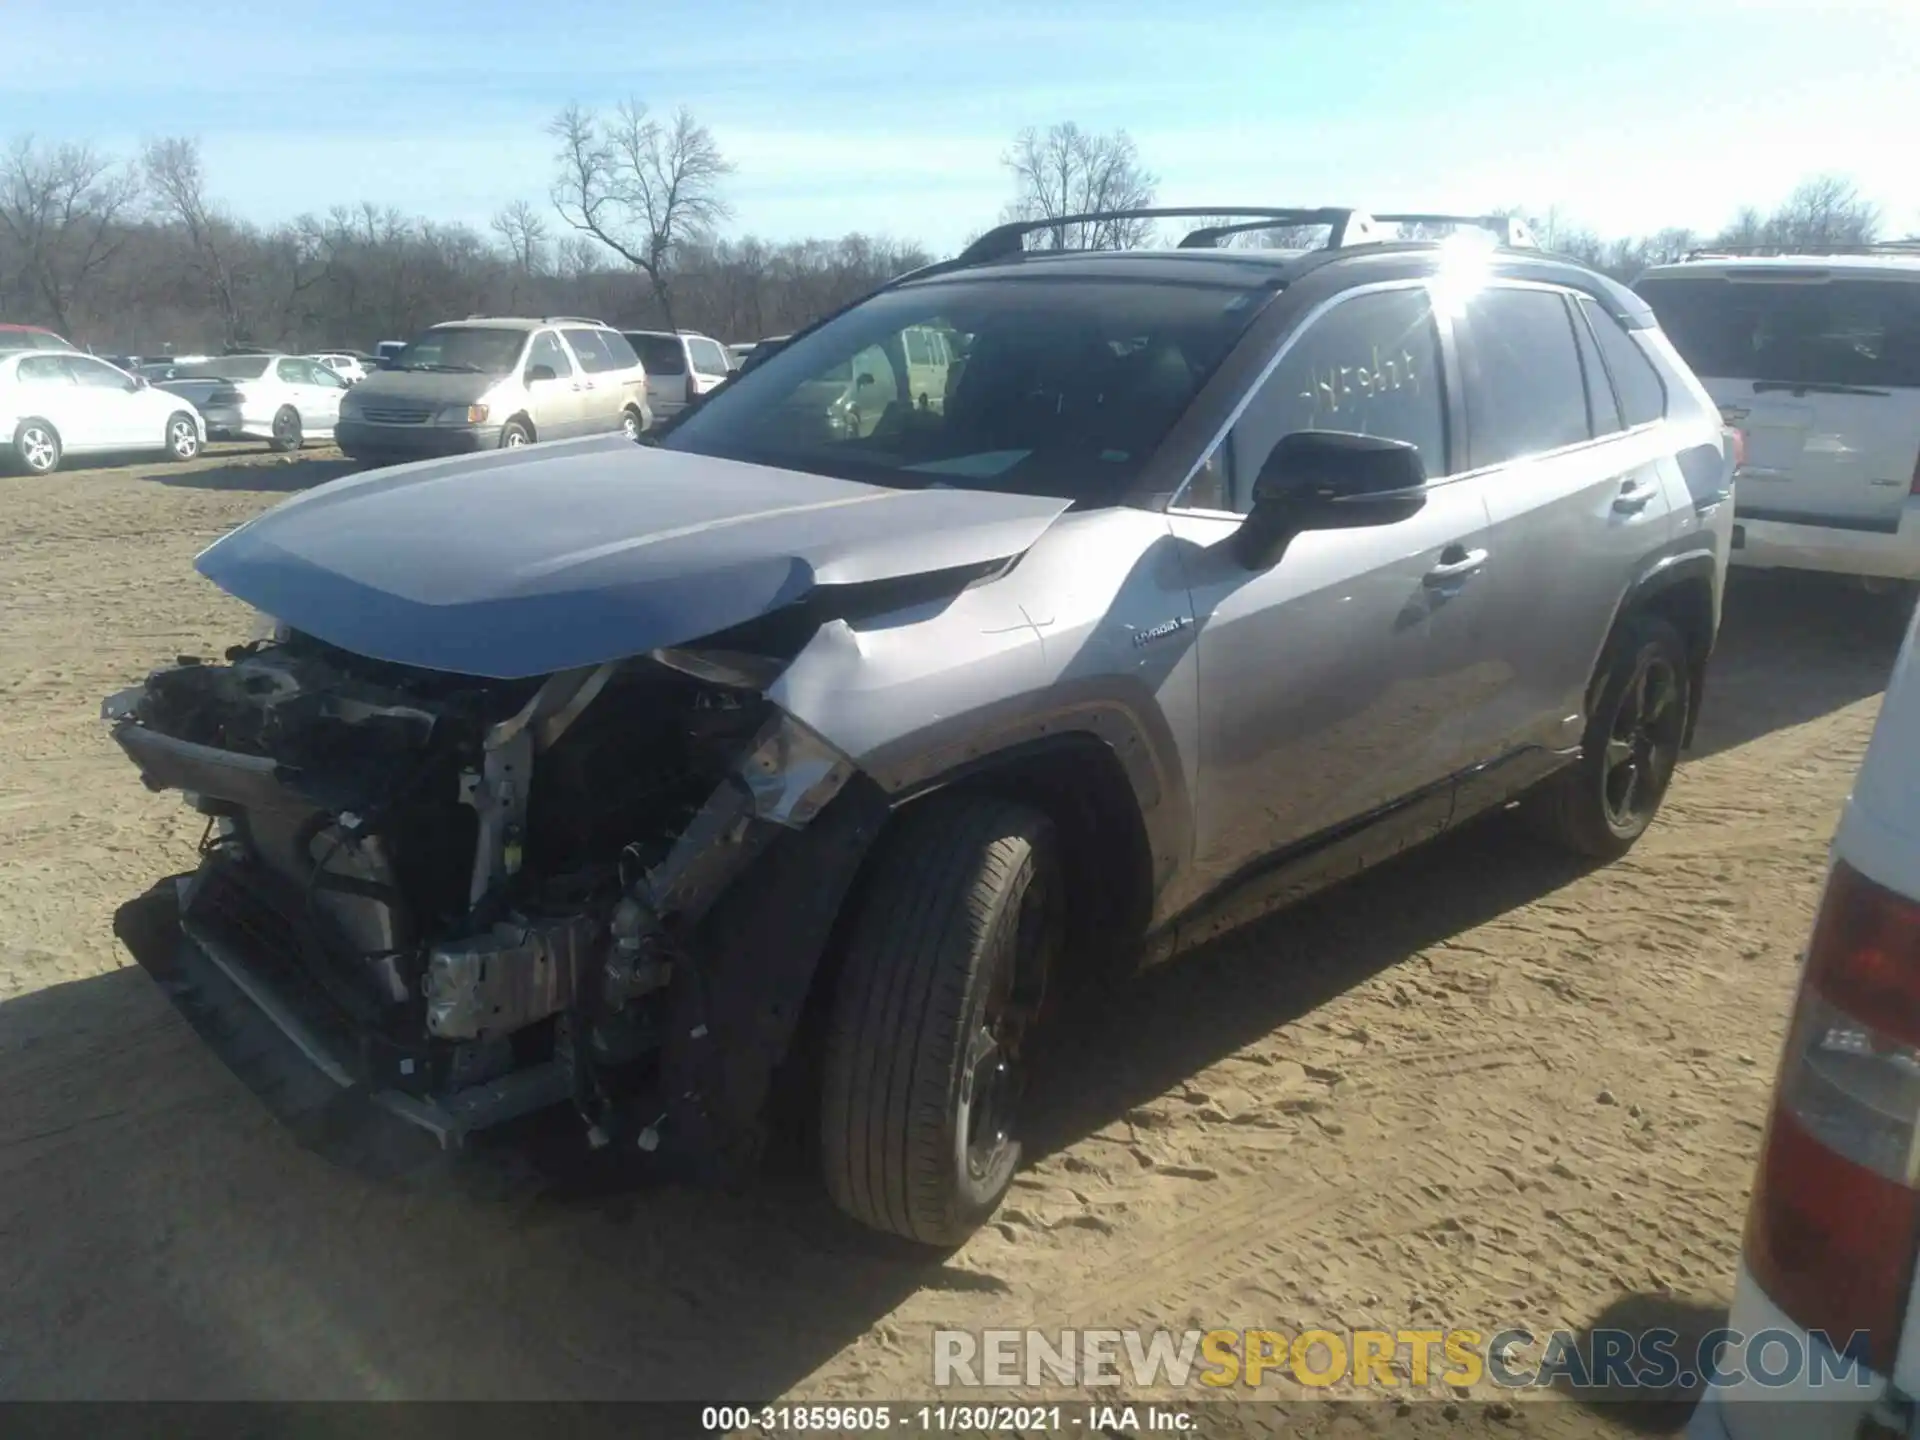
(526, 561)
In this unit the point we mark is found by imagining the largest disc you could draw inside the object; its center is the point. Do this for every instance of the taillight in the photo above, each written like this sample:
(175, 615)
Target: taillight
(1737, 444)
(1914, 488)
(1835, 1215)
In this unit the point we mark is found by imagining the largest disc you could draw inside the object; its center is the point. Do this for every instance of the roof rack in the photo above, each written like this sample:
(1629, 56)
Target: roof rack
(1509, 230)
(1878, 247)
(1349, 227)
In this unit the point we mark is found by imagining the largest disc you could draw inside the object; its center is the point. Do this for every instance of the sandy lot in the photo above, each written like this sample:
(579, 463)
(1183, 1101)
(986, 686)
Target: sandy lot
(1478, 1087)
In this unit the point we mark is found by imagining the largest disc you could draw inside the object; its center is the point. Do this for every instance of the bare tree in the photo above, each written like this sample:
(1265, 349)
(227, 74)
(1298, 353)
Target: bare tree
(178, 184)
(1822, 210)
(641, 188)
(1065, 170)
(61, 213)
(523, 231)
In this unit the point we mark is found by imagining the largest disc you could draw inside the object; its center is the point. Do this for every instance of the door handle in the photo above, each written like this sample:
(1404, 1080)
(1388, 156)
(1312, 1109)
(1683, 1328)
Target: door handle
(1456, 563)
(1633, 498)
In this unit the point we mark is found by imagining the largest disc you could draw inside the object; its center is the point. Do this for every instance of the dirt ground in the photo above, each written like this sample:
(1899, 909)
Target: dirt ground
(1478, 1087)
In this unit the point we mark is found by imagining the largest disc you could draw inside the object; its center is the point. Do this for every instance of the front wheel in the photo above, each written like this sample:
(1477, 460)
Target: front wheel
(286, 431)
(183, 437)
(514, 434)
(1604, 803)
(36, 445)
(944, 970)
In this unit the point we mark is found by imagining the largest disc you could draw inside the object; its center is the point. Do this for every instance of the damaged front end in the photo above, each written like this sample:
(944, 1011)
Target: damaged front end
(468, 899)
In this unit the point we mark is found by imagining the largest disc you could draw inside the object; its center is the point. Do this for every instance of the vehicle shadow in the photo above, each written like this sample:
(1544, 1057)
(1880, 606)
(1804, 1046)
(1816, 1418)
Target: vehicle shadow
(1793, 647)
(1629, 1323)
(1276, 971)
(280, 473)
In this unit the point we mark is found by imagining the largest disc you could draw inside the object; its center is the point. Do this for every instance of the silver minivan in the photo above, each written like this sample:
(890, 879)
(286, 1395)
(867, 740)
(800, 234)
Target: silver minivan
(492, 382)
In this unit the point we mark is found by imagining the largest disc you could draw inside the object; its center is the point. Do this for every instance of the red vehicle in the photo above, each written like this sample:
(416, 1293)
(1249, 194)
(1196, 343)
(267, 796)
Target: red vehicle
(31, 337)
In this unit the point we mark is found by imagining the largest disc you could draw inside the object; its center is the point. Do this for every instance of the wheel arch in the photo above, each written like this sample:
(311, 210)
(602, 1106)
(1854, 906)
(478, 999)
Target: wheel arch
(1684, 590)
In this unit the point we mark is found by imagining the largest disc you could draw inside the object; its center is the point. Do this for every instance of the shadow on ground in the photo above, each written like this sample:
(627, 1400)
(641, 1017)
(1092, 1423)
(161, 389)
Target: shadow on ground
(280, 473)
(1793, 647)
(1625, 1329)
(165, 1238)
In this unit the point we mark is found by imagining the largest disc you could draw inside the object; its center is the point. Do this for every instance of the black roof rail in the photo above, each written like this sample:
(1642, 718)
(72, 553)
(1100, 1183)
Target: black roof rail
(1345, 226)
(1877, 247)
(1510, 230)
(1349, 227)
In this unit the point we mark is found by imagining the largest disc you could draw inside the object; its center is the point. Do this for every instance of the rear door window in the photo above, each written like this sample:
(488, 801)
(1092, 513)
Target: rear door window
(1643, 394)
(1792, 326)
(617, 346)
(592, 355)
(44, 370)
(1525, 392)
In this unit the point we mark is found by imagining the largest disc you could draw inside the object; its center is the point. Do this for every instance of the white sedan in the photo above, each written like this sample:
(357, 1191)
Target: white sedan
(53, 405)
(347, 367)
(285, 400)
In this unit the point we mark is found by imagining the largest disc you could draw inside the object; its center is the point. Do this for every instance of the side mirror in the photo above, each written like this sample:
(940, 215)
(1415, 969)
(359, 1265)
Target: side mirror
(136, 382)
(541, 372)
(1329, 480)
(864, 381)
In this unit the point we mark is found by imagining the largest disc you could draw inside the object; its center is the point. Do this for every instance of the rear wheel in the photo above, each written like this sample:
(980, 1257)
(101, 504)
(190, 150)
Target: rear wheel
(1635, 728)
(183, 436)
(36, 446)
(927, 1045)
(286, 431)
(630, 425)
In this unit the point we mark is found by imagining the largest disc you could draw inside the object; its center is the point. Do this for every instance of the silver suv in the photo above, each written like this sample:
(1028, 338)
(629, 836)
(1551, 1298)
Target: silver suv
(494, 382)
(782, 756)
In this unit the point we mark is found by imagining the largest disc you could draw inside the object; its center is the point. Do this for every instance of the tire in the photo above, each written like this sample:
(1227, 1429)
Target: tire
(183, 436)
(631, 425)
(1600, 806)
(942, 974)
(514, 434)
(36, 447)
(286, 431)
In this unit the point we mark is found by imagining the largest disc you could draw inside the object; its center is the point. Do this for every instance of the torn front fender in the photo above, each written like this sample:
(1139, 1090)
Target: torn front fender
(737, 1009)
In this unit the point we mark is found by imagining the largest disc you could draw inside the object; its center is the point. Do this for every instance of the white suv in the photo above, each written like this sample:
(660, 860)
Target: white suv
(681, 366)
(1816, 359)
(1834, 1223)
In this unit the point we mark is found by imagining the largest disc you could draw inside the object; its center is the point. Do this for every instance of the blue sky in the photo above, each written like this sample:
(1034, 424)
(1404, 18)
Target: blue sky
(889, 118)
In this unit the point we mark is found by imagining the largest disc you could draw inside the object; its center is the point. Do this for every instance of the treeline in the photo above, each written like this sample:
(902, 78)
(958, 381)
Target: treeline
(139, 258)
(137, 255)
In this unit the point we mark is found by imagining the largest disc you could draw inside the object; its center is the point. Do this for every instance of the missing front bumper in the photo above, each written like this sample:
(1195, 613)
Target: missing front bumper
(305, 1071)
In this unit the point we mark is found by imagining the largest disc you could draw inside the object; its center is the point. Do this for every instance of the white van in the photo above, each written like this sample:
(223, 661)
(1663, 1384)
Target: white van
(1816, 358)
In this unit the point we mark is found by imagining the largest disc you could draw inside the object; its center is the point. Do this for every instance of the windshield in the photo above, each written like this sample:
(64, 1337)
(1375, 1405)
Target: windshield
(227, 367)
(1835, 332)
(463, 349)
(1060, 387)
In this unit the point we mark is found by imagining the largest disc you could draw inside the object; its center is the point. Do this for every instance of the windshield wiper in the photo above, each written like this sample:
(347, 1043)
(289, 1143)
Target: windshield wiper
(1815, 387)
(446, 369)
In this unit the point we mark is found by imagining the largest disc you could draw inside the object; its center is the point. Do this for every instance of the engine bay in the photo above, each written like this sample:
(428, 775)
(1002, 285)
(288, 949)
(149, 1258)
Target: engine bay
(472, 896)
